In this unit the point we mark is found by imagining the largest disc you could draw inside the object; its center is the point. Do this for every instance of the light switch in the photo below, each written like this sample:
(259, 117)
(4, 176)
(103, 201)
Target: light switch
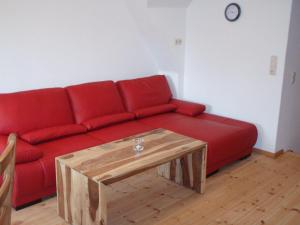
(273, 66)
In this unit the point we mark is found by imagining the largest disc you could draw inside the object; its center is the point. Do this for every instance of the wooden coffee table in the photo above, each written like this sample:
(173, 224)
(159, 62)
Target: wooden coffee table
(82, 177)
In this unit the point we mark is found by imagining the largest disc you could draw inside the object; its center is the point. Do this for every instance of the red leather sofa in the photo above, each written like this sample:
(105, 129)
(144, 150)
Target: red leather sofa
(56, 121)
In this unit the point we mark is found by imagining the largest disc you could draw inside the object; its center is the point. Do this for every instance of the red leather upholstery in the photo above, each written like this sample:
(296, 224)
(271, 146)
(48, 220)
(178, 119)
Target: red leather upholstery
(93, 100)
(120, 131)
(226, 120)
(52, 133)
(29, 183)
(61, 147)
(188, 108)
(25, 153)
(36, 179)
(105, 121)
(151, 111)
(145, 92)
(32, 110)
(47, 117)
(226, 142)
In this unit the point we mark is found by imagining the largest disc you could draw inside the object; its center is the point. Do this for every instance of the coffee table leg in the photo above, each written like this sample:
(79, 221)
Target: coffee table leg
(80, 201)
(189, 171)
(203, 161)
(103, 204)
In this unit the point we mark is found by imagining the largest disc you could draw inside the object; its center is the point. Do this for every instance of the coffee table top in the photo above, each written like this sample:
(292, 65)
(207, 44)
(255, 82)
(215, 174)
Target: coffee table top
(114, 161)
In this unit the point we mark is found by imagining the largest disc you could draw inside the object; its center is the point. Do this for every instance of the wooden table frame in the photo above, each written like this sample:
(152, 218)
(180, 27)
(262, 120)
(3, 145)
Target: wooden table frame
(82, 177)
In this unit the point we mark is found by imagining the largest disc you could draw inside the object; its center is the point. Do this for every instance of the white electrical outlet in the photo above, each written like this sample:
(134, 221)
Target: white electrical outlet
(178, 41)
(294, 76)
(273, 66)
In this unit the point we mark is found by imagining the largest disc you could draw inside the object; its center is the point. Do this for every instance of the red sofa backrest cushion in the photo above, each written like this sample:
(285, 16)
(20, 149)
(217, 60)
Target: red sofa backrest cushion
(32, 110)
(155, 110)
(145, 92)
(96, 99)
(52, 133)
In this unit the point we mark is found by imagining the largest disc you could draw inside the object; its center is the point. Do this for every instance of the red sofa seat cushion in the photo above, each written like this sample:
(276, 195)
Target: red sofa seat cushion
(226, 120)
(25, 153)
(51, 133)
(249, 130)
(120, 131)
(108, 120)
(225, 142)
(145, 92)
(188, 108)
(93, 100)
(151, 111)
(32, 110)
(61, 147)
(28, 183)
(207, 130)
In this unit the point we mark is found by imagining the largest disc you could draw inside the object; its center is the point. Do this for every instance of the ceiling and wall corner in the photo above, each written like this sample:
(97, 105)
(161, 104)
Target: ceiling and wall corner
(168, 3)
(288, 136)
(160, 27)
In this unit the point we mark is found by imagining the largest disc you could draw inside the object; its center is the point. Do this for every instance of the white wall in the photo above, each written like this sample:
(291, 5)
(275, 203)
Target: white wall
(160, 26)
(227, 64)
(169, 3)
(289, 123)
(61, 42)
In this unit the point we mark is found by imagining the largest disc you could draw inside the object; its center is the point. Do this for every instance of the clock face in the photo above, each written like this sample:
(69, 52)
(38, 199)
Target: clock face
(232, 12)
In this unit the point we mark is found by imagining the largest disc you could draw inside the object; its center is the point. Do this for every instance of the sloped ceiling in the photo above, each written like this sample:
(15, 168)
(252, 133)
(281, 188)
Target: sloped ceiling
(169, 3)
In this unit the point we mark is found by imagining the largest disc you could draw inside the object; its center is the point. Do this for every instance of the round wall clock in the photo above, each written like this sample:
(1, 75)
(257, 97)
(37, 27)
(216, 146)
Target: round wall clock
(233, 12)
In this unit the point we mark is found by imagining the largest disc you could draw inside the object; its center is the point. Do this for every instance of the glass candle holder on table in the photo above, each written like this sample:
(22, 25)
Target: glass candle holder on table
(138, 145)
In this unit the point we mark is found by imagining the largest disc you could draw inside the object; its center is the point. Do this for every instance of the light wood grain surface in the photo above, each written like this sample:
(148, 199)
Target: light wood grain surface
(114, 161)
(256, 191)
(7, 169)
(83, 177)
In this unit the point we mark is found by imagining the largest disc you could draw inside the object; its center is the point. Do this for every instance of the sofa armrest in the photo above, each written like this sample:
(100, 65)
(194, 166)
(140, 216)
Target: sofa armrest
(24, 152)
(188, 108)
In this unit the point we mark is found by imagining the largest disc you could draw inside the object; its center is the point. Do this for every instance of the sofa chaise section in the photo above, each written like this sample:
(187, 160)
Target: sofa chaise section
(228, 139)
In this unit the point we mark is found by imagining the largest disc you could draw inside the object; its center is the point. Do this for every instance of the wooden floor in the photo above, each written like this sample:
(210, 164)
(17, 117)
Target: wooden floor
(258, 191)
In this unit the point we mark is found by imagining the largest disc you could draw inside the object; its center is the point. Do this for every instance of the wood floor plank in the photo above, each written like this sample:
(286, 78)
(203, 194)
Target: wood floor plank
(256, 191)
